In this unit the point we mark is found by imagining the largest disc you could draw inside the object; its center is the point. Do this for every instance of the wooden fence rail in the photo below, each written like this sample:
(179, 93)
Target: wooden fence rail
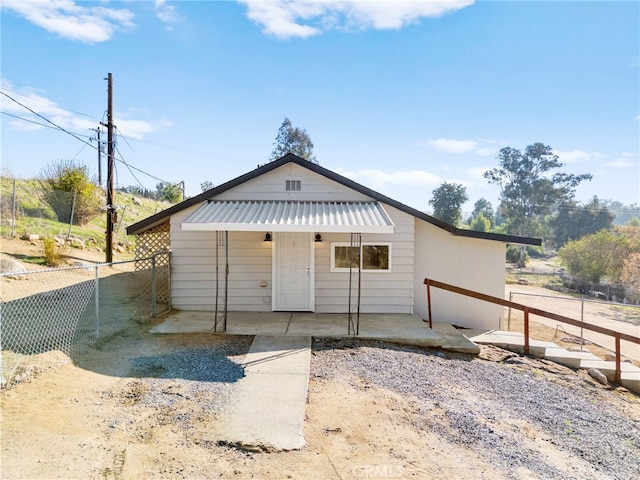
(533, 311)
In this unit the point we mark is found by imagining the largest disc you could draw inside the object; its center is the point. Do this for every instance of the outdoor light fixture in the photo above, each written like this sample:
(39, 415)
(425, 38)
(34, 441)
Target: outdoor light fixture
(318, 237)
(267, 237)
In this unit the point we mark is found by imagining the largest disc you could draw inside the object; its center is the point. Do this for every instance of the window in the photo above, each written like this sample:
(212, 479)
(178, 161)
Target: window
(371, 257)
(293, 185)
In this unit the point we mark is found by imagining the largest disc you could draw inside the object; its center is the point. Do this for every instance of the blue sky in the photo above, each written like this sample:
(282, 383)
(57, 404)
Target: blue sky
(399, 96)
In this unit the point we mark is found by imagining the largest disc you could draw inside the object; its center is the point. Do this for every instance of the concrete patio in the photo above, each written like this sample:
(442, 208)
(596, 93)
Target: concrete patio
(399, 328)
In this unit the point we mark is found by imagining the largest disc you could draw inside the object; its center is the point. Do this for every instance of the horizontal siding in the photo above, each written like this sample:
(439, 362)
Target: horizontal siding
(271, 186)
(381, 292)
(469, 263)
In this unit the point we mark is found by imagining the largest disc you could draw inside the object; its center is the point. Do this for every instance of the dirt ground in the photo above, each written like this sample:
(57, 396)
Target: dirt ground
(90, 417)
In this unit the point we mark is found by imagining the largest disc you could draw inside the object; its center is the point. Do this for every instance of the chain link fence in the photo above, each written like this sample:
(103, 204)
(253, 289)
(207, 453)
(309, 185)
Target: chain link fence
(620, 317)
(47, 315)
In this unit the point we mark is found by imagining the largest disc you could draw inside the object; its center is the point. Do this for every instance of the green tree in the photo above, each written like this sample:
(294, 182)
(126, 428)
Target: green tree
(528, 188)
(597, 256)
(294, 140)
(169, 192)
(484, 207)
(480, 223)
(574, 221)
(63, 180)
(447, 202)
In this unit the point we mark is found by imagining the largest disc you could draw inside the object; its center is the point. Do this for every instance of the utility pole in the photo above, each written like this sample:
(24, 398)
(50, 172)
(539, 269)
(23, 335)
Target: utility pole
(111, 211)
(98, 130)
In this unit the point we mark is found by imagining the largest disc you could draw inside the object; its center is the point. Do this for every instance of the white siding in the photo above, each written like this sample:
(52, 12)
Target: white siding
(381, 292)
(469, 263)
(193, 278)
(271, 186)
(250, 258)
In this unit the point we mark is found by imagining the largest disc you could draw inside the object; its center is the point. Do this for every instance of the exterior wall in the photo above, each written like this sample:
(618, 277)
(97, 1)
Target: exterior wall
(193, 269)
(250, 258)
(381, 292)
(271, 186)
(469, 263)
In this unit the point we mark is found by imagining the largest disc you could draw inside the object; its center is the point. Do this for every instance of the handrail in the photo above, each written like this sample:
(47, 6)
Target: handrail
(535, 311)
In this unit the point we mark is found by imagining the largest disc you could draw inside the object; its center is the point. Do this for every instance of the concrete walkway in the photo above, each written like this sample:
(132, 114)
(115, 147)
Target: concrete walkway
(266, 407)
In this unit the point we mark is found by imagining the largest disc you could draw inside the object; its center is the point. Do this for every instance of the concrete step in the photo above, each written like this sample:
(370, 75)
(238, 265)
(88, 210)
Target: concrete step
(454, 339)
(514, 341)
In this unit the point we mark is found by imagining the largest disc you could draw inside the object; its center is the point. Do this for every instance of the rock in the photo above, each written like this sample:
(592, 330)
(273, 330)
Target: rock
(31, 237)
(598, 375)
(9, 265)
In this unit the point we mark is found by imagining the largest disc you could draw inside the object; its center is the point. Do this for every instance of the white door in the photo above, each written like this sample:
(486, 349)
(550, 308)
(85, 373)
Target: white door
(293, 271)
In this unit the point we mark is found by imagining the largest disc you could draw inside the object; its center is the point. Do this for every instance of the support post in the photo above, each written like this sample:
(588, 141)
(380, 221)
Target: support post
(509, 314)
(73, 211)
(153, 285)
(618, 359)
(429, 304)
(581, 327)
(97, 292)
(526, 330)
(110, 149)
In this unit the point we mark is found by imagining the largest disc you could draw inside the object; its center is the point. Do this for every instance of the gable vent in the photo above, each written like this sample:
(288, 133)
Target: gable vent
(293, 185)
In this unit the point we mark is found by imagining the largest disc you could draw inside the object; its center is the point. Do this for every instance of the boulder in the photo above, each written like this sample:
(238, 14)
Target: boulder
(598, 375)
(9, 265)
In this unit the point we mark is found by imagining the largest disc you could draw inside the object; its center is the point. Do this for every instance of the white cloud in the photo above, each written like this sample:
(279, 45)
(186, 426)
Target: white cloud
(619, 163)
(61, 117)
(90, 24)
(575, 156)
(291, 18)
(486, 151)
(377, 179)
(166, 13)
(452, 146)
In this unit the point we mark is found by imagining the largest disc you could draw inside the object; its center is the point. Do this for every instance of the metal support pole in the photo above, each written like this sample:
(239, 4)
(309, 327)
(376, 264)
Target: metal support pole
(73, 211)
(526, 330)
(153, 285)
(13, 216)
(226, 277)
(97, 292)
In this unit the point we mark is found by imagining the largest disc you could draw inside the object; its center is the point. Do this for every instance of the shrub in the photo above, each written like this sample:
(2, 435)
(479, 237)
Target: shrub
(53, 253)
(60, 182)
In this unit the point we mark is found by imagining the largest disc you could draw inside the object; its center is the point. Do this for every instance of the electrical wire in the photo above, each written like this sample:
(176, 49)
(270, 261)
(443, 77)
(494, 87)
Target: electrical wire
(38, 123)
(45, 118)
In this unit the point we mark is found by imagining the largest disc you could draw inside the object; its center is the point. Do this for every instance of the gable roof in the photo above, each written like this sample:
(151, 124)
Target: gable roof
(160, 217)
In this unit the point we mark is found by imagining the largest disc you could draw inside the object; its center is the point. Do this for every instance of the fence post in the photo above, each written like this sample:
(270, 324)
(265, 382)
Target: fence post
(73, 211)
(526, 330)
(581, 327)
(509, 315)
(429, 305)
(153, 285)
(13, 213)
(618, 367)
(97, 291)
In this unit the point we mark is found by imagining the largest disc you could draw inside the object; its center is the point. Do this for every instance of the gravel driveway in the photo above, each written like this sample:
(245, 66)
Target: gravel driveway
(498, 407)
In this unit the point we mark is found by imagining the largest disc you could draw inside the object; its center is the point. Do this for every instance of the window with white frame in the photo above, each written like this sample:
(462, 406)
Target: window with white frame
(371, 256)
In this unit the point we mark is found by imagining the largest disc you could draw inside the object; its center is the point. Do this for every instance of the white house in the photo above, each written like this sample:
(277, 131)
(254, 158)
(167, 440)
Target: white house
(294, 236)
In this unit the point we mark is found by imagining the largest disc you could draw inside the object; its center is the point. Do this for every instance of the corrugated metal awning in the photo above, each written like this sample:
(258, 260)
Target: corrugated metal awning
(290, 216)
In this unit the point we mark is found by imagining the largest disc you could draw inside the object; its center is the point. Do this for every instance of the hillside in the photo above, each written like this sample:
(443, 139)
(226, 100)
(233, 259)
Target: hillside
(34, 216)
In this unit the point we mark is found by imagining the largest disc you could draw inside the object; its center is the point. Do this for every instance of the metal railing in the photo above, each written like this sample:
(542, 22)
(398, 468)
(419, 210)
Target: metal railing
(70, 309)
(533, 311)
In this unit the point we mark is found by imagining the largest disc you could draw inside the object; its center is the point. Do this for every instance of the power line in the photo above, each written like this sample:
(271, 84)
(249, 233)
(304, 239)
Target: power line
(45, 118)
(38, 123)
(48, 103)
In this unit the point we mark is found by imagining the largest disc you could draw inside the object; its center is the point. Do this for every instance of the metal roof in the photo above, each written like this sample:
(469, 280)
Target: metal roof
(290, 216)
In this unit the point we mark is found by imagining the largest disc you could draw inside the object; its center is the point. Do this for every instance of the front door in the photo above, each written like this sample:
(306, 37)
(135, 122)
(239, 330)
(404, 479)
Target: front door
(293, 270)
